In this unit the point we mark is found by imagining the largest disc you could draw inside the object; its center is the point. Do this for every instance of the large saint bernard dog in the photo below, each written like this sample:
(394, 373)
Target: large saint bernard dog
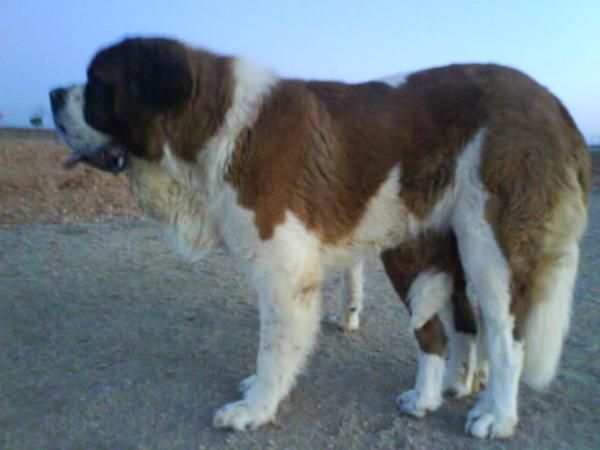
(467, 179)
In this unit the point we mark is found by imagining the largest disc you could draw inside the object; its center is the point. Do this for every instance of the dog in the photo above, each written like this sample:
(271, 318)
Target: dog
(298, 178)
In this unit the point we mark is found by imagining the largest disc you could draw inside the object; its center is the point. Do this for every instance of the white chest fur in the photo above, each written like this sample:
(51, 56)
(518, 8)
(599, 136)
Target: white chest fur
(190, 229)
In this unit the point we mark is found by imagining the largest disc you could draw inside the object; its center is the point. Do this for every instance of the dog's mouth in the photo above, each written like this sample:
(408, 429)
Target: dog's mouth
(110, 157)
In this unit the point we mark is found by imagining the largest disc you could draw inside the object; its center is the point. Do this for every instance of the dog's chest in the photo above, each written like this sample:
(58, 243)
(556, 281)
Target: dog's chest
(190, 229)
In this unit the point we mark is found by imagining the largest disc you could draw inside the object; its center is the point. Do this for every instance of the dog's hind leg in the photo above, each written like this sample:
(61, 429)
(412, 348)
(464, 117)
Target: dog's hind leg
(495, 414)
(489, 276)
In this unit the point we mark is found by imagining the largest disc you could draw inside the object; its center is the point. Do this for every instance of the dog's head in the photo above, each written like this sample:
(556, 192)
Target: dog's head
(131, 88)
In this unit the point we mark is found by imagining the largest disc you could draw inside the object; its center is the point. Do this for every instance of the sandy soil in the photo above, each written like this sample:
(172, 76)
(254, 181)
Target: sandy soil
(35, 188)
(107, 340)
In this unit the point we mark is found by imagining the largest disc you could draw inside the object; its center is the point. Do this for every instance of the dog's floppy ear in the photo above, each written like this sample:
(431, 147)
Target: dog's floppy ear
(161, 78)
(146, 75)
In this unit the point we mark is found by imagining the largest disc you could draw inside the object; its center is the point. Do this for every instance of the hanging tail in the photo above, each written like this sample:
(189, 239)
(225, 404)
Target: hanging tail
(547, 321)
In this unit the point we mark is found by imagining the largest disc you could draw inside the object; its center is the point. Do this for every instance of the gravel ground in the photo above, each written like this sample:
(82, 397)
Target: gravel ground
(108, 341)
(35, 188)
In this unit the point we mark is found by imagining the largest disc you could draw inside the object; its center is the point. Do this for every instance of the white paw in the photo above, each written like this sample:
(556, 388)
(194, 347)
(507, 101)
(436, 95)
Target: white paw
(246, 384)
(484, 422)
(242, 416)
(351, 320)
(416, 405)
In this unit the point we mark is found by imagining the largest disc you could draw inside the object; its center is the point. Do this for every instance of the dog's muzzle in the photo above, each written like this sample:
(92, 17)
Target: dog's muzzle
(87, 145)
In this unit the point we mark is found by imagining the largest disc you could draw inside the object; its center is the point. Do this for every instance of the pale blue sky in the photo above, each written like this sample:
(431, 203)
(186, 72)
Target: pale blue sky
(49, 43)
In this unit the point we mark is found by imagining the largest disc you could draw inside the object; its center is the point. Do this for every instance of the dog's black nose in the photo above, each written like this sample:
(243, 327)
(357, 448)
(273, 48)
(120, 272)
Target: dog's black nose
(57, 98)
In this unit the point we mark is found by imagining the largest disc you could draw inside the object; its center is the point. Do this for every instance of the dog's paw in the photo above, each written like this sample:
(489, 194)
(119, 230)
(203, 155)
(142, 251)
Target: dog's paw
(242, 416)
(350, 321)
(483, 421)
(417, 405)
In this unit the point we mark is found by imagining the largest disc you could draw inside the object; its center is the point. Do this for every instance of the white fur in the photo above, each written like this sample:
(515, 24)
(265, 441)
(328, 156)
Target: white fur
(547, 321)
(191, 239)
(495, 414)
(82, 138)
(387, 221)
(252, 85)
(191, 231)
(427, 394)
(428, 294)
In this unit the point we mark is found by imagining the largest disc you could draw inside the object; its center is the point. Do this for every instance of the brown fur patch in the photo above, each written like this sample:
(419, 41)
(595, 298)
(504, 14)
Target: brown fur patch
(322, 149)
(431, 337)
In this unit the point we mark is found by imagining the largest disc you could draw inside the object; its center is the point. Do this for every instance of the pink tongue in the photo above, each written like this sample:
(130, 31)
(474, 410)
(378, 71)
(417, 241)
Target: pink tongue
(72, 161)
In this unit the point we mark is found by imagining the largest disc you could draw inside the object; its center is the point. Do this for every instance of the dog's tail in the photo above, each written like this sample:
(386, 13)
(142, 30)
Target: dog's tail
(547, 321)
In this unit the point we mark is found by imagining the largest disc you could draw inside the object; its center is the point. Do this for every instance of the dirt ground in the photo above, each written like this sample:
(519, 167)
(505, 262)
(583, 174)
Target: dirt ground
(109, 341)
(35, 188)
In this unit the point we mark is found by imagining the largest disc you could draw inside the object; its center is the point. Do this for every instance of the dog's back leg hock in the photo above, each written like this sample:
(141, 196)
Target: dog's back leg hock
(488, 272)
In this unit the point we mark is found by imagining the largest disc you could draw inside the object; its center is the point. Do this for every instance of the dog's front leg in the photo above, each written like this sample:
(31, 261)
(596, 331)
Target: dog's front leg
(289, 321)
